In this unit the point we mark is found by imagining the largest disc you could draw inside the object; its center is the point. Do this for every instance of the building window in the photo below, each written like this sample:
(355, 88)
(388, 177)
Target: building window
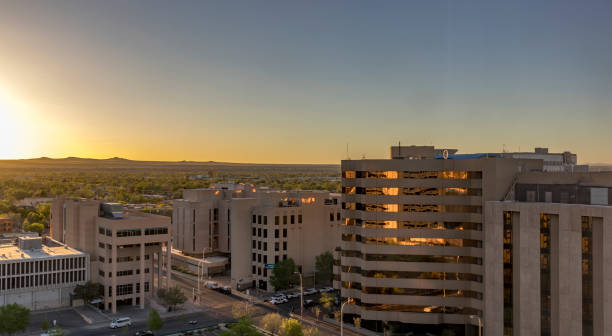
(284, 257)
(146, 286)
(265, 260)
(259, 245)
(276, 233)
(587, 276)
(285, 246)
(508, 287)
(265, 246)
(258, 232)
(129, 233)
(276, 246)
(254, 258)
(331, 217)
(265, 272)
(254, 244)
(545, 302)
(254, 269)
(101, 245)
(292, 219)
(337, 216)
(254, 232)
(259, 219)
(258, 270)
(265, 233)
(276, 259)
(156, 231)
(259, 258)
(265, 220)
(101, 273)
(254, 219)
(300, 219)
(276, 220)
(284, 219)
(284, 233)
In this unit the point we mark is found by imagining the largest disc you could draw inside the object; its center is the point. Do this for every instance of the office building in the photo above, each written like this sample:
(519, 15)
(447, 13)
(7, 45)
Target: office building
(411, 254)
(125, 246)
(554, 276)
(253, 227)
(40, 273)
(553, 162)
(6, 225)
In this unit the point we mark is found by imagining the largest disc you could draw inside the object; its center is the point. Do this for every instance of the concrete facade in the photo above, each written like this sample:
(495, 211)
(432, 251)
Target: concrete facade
(123, 245)
(6, 225)
(40, 276)
(256, 226)
(567, 240)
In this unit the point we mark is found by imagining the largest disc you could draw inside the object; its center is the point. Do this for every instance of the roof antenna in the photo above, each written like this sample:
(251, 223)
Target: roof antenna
(347, 152)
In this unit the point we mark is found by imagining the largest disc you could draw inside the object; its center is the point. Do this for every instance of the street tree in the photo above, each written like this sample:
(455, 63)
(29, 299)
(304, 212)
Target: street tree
(283, 275)
(45, 325)
(272, 322)
(13, 318)
(173, 296)
(88, 291)
(324, 265)
(155, 322)
(327, 299)
(291, 327)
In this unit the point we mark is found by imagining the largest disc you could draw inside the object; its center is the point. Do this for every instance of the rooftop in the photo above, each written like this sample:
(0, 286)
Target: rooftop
(11, 252)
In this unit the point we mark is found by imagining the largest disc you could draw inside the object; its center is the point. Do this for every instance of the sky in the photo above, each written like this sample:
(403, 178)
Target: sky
(300, 82)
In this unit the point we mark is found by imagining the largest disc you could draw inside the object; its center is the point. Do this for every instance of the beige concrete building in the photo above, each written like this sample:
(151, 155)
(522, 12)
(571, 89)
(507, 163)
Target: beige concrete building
(254, 227)
(412, 254)
(123, 245)
(39, 273)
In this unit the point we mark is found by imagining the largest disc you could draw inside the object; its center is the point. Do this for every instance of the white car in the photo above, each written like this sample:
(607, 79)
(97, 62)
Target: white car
(278, 301)
(51, 332)
(310, 291)
(293, 295)
(211, 285)
(326, 289)
(121, 322)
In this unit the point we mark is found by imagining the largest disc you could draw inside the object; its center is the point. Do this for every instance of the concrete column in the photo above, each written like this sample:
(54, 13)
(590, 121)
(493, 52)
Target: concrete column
(114, 276)
(602, 276)
(566, 272)
(493, 312)
(168, 263)
(160, 265)
(526, 275)
(142, 275)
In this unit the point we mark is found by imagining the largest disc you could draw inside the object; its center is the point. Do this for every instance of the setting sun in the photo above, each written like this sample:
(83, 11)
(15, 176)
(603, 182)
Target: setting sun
(12, 139)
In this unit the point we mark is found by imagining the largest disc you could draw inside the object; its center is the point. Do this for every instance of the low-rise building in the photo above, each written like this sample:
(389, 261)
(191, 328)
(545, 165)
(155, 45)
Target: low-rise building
(256, 228)
(126, 247)
(40, 273)
(6, 225)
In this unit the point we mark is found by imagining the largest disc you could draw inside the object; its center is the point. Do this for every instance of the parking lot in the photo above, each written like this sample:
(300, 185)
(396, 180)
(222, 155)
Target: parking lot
(65, 318)
(293, 303)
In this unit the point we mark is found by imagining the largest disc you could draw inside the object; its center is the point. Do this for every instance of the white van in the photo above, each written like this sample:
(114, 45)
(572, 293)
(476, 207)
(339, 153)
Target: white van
(121, 322)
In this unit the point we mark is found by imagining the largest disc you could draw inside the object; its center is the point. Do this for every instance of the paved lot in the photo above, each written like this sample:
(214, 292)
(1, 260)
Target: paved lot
(65, 318)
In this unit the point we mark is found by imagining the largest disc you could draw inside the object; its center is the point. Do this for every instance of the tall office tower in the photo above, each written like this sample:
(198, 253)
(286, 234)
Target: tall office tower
(253, 228)
(411, 255)
(123, 246)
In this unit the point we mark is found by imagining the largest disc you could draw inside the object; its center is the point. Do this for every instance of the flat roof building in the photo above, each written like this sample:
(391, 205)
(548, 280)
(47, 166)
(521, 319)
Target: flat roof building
(40, 273)
(254, 227)
(124, 246)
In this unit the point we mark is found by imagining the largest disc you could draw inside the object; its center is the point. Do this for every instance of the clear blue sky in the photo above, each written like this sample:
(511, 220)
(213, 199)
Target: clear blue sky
(288, 81)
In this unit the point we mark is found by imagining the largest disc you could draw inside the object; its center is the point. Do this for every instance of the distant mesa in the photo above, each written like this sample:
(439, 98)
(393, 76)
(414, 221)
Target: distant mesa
(116, 158)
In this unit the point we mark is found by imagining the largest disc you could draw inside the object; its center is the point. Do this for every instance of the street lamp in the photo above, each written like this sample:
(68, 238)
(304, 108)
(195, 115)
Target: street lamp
(349, 300)
(301, 297)
(479, 323)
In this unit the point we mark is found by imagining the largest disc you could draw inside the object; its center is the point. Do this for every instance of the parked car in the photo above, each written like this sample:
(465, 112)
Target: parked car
(326, 289)
(144, 333)
(293, 295)
(278, 301)
(310, 291)
(226, 290)
(121, 322)
(211, 285)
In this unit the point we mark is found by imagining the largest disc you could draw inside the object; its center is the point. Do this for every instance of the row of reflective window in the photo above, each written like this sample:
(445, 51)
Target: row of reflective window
(127, 289)
(412, 241)
(412, 191)
(393, 174)
(38, 266)
(394, 224)
(259, 244)
(133, 232)
(123, 273)
(259, 219)
(413, 258)
(264, 233)
(47, 279)
(122, 259)
(411, 207)
(379, 274)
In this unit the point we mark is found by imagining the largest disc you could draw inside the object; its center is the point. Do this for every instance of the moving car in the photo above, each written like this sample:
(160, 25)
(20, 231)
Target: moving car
(211, 285)
(144, 333)
(225, 290)
(193, 322)
(121, 322)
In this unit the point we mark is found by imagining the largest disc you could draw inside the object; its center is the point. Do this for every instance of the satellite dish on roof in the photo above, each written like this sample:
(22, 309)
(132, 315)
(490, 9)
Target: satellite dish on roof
(445, 154)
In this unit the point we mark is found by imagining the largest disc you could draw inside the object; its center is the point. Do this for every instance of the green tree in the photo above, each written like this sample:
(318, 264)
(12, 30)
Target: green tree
(35, 227)
(283, 275)
(325, 267)
(14, 318)
(272, 322)
(155, 322)
(88, 291)
(244, 327)
(45, 324)
(173, 296)
(327, 299)
(291, 327)
(34, 217)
